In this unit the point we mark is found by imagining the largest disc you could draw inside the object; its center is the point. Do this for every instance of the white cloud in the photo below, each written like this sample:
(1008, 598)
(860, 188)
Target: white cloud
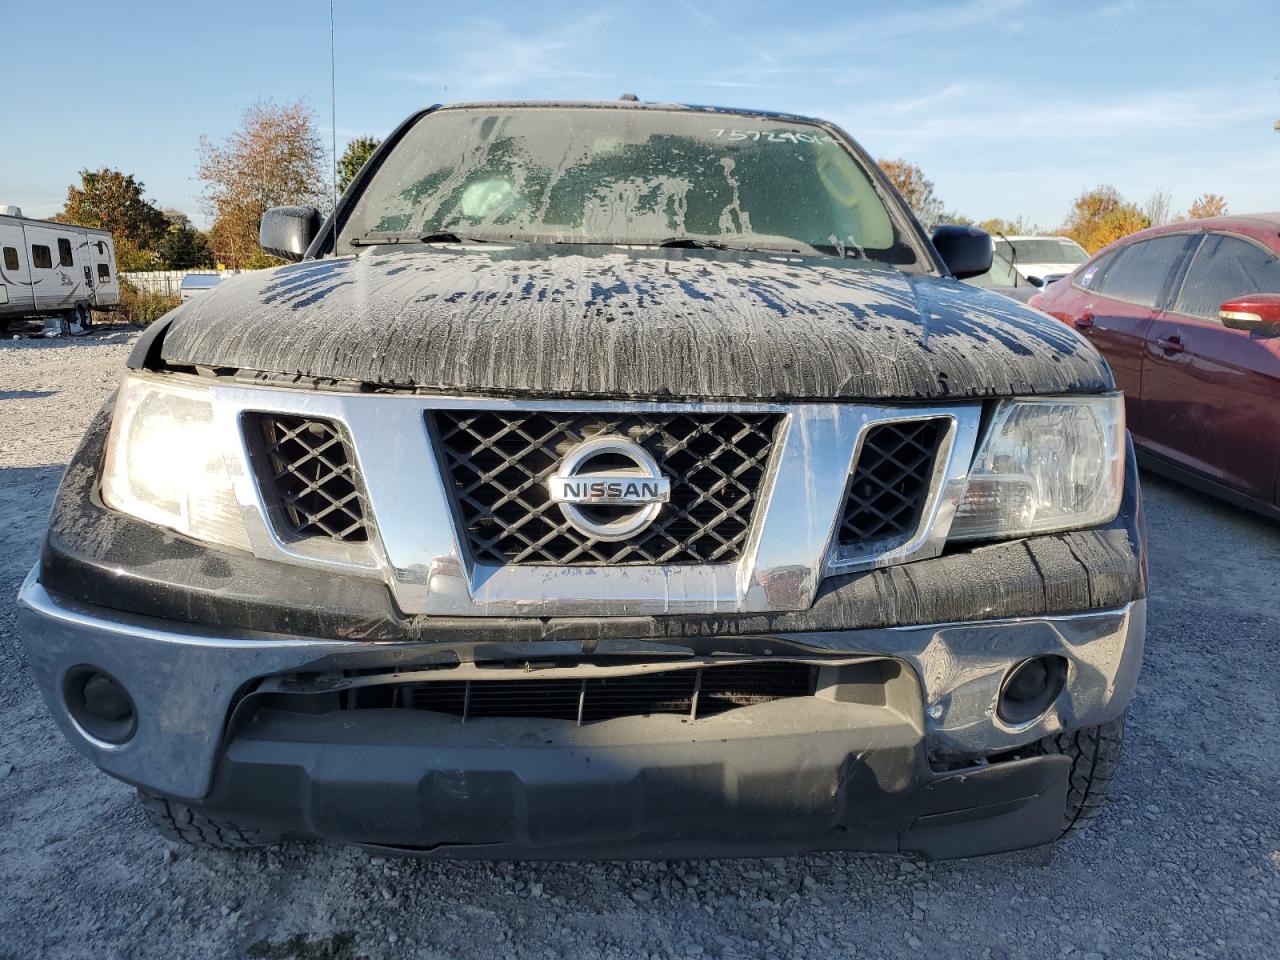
(967, 115)
(1000, 151)
(486, 58)
(851, 37)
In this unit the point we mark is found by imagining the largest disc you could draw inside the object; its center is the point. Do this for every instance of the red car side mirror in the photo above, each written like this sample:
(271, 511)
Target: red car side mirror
(1255, 312)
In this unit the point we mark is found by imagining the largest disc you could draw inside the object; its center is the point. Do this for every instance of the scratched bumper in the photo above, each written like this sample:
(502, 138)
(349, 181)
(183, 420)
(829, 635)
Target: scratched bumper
(781, 776)
(774, 779)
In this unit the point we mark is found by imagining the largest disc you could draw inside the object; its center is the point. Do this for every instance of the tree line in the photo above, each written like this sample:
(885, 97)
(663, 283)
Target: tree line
(1098, 216)
(276, 157)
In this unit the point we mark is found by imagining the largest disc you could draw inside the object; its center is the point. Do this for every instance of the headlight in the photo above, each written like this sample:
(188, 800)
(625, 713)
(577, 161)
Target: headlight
(1045, 465)
(164, 463)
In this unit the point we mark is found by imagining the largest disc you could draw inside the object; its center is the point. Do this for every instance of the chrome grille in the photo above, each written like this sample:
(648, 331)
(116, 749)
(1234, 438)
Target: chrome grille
(693, 693)
(890, 482)
(497, 463)
(311, 475)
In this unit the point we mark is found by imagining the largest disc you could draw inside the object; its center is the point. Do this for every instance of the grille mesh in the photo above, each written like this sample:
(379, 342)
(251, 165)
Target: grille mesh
(311, 473)
(692, 693)
(890, 482)
(498, 462)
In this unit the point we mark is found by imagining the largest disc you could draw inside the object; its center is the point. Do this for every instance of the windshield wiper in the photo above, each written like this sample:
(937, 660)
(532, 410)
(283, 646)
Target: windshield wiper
(448, 236)
(693, 243)
(438, 236)
(699, 243)
(843, 251)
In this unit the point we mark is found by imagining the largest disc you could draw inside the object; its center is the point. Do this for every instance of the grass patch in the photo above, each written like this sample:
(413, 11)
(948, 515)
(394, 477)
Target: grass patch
(142, 307)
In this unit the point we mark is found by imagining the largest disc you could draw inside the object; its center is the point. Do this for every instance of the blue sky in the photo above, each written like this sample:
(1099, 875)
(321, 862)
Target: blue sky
(1010, 106)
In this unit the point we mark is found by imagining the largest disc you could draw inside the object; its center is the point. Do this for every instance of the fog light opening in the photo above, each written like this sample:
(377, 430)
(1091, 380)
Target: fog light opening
(99, 704)
(1030, 689)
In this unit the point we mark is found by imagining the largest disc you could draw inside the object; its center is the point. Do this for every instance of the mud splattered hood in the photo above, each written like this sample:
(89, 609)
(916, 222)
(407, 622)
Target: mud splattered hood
(600, 321)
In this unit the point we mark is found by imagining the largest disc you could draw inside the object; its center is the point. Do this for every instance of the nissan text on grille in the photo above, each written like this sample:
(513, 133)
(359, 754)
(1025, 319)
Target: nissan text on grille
(639, 459)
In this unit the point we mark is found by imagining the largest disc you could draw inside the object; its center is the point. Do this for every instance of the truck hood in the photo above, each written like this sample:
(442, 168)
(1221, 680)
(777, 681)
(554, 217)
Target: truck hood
(574, 321)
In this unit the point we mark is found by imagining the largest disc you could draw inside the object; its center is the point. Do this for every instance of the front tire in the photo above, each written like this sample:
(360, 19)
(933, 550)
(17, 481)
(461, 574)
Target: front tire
(1095, 757)
(176, 821)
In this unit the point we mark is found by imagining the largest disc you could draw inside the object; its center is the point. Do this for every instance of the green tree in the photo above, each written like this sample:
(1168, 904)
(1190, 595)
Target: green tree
(273, 159)
(111, 200)
(353, 158)
(1101, 216)
(183, 246)
(1020, 227)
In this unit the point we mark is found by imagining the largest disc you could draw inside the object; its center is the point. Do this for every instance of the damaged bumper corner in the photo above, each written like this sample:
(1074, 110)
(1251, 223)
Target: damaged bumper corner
(901, 765)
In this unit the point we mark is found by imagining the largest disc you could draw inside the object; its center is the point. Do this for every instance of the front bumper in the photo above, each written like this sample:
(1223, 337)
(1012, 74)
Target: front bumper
(907, 770)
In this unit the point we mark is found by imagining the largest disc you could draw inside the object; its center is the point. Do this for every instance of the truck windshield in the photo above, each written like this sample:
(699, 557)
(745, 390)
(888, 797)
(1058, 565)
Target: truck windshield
(627, 176)
(1042, 250)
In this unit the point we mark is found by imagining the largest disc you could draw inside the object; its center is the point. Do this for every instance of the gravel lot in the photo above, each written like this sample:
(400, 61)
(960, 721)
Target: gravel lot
(1185, 862)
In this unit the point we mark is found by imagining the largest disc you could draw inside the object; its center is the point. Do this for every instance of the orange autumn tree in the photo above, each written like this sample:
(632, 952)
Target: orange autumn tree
(273, 159)
(1207, 205)
(1101, 216)
(916, 189)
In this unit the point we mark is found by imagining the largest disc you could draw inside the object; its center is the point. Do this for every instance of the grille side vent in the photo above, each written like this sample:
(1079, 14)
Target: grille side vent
(306, 467)
(496, 464)
(890, 482)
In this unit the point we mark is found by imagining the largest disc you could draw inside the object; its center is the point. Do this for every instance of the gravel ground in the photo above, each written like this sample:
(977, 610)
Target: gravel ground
(1184, 863)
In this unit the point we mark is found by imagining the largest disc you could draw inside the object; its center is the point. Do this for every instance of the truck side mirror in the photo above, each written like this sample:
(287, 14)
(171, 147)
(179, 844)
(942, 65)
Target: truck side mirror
(1255, 312)
(287, 232)
(966, 251)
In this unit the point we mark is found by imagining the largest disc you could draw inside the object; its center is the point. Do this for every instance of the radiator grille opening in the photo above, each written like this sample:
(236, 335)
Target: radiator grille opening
(890, 482)
(496, 464)
(693, 693)
(306, 467)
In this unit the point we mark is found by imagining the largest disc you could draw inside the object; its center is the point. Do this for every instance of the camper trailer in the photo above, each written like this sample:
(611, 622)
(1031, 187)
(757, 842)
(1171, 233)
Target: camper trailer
(54, 273)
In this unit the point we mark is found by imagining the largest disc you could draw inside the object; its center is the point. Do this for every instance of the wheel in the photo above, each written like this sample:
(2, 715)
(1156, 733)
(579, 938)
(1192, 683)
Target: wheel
(84, 317)
(1095, 756)
(176, 821)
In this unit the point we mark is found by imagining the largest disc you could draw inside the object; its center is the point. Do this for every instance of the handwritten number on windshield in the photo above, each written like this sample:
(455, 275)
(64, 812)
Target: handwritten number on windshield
(773, 136)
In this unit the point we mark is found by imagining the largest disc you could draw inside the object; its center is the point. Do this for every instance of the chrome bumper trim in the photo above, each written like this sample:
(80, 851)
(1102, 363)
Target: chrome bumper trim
(184, 679)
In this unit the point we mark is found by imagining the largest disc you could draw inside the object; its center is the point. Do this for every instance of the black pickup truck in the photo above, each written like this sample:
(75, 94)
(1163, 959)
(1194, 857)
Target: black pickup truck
(603, 480)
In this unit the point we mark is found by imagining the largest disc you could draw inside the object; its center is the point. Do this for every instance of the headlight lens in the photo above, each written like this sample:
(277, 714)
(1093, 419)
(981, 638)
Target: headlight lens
(1045, 465)
(164, 463)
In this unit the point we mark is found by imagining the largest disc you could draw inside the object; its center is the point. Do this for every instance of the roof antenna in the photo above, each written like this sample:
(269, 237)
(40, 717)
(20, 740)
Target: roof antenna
(333, 130)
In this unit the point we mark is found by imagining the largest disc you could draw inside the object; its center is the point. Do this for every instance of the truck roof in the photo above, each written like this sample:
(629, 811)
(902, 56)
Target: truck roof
(629, 105)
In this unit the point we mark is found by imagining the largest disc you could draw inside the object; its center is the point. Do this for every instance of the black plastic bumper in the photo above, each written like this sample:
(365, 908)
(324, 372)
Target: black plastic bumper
(775, 779)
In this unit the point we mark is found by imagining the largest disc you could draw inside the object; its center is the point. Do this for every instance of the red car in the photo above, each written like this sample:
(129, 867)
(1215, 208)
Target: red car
(1188, 316)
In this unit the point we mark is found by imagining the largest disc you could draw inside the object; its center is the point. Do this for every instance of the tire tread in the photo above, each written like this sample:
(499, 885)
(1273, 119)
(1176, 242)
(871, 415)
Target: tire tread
(176, 821)
(1095, 757)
